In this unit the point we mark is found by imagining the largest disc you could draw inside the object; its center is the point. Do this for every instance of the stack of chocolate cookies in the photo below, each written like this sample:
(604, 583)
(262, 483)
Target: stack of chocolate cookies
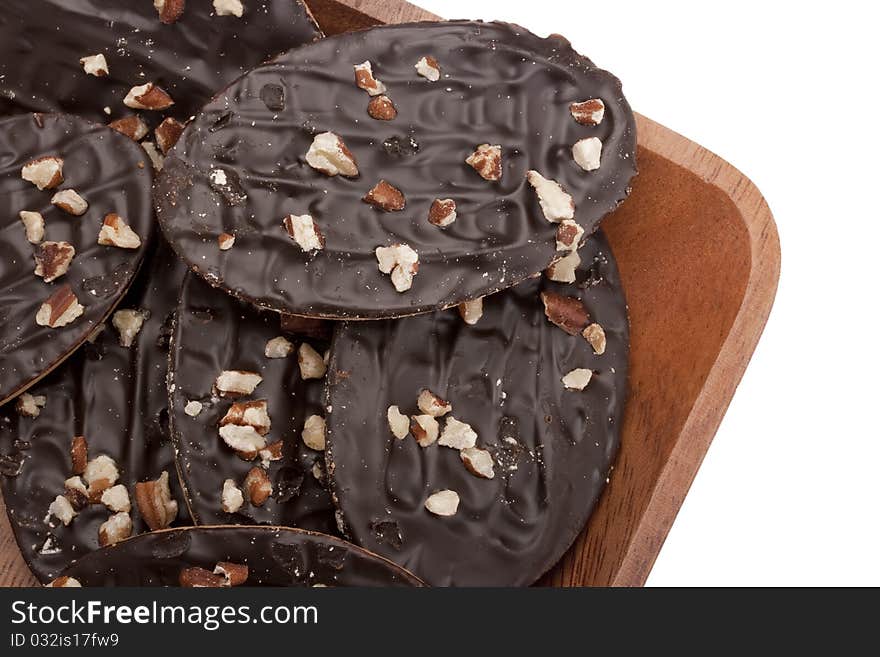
(281, 309)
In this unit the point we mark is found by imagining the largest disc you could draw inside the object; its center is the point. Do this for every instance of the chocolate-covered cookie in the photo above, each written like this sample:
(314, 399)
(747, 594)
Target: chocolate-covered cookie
(76, 216)
(248, 427)
(473, 452)
(111, 394)
(235, 556)
(397, 170)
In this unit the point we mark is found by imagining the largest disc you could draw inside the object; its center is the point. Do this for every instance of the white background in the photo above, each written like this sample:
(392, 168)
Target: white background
(789, 493)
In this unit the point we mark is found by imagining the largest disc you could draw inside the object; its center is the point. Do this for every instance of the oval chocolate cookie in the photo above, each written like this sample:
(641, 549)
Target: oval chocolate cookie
(94, 433)
(235, 556)
(473, 452)
(76, 216)
(246, 414)
(397, 170)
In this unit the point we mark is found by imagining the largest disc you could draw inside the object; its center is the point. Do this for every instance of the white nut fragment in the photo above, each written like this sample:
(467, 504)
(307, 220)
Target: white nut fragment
(428, 68)
(401, 261)
(329, 155)
(116, 528)
(471, 311)
(156, 159)
(311, 363)
(564, 270)
(236, 382)
(128, 323)
(457, 434)
(397, 422)
(304, 231)
(595, 335)
(71, 202)
(225, 241)
(229, 8)
(443, 503)
(363, 76)
(425, 429)
(28, 405)
(116, 498)
(251, 413)
(556, 203)
(44, 172)
(116, 232)
(588, 112)
(279, 347)
(193, 408)
(568, 235)
(577, 379)
(60, 309)
(64, 582)
(486, 161)
(34, 226)
(148, 97)
(478, 462)
(95, 65)
(232, 498)
(52, 260)
(100, 474)
(433, 405)
(242, 438)
(314, 433)
(588, 153)
(61, 509)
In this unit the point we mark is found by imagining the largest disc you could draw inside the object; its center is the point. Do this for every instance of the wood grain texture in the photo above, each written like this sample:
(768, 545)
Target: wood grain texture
(699, 258)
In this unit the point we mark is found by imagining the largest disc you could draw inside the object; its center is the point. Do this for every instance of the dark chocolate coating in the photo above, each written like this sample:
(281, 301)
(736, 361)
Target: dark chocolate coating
(115, 397)
(103, 166)
(275, 556)
(500, 85)
(503, 377)
(214, 332)
(42, 41)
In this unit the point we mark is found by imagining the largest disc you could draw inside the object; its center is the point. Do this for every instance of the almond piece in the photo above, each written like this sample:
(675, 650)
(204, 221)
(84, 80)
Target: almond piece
(100, 474)
(79, 455)
(363, 77)
(128, 323)
(95, 65)
(577, 379)
(62, 509)
(397, 422)
(428, 68)
(595, 335)
(193, 408)
(232, 497)
(60, 309)
(234, 383)
(34, 226)
(154, 501)
(194, 577)
(251, 413)
(471, 311)
(53, 259)
(433, 405)
(568, 235)
(329, 155)
(242, 438)
(28, 405)
(71, 202)
(116, 528)
(556, 203)
(148, 97)
(564, 270)
(424, 429)
(44, 172)
(568, 313)
(442, 212)
(229, 8)
(588, 153)
(385, 197)
(257, 487)
(588, 112)
(401, 261)
(382, 108)
(225, 241)
(76, 492)
(64, 582)
(279, 347)
(270, 453)
(116, 232)
(486, 161)
(304, 231)
(167, 134)
(478, 462)
(116, 498)
(443, 503)
(233, 574)
(130, 126)
(169, 10)
(457, 435)
(311, 363)
(156, 159)
(314, 433)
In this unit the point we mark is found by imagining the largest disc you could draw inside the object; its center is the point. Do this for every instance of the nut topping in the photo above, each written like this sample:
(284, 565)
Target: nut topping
(564, 270)
(397, 422)
(478, 462)
(64, 582)
(116, 498)
(61, 509)
(130, 126)
(577, 379)
(114, 529)
(257, 486)
(233, 383)
(115, 232)
(279, 347)
(229, 8)
(457, 435)
(271, 452)
(471, 311)
(233, 574)
(329, 155)
(44, 172)
(232, 497)
(568, 235)
(199, 578)
(169, 10)
(385, 197)
(588, 153)
(53, 259)
(243, 438)
(382, 108)
(129, 323)
(250, 413)
(556, 203)
(95, 65)
(428, 68)
(225, 241)
(486, 161)
(433, 405)
(34, 226)
(442, 212)
(60, 309)
(148, 97)
(313, 433)
(304, 231)
(425, 429)
(167, 134)
(568, 313)
(157, 507)
(156, 159)
(588, 112)
(193, 408)
(76, 492)
(595, 335)
(79, 455)
(443, 503)
(100, 474)
(71, 202)
(401, 261)
(363, 77)
(28, 405)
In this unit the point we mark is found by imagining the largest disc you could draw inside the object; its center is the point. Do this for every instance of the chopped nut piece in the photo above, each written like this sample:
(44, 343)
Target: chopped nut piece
(257, 486)
(169, 10)
(100, 474)
(60, 309)
(588, 153)
(225, 241)
(44, 172)
(232, 497)
(363, 76)
(432, 404)
(53, 259)
(397, 422)
(130, 126)
(115, 232)
(471, 311)
(34, 226)
(385, 197)
(588, 112)
(382, 108)
(64, 582)
(568, 313)
(62, 509)
(311, 363)
(279, 347)
(95, 65)
(595, 335)
(443, 503)
(457, 435)
(129, 323)
(555, 203)
(313, 433)
(148, 97)
(233, 383)
(401, 261)
(71, 202)
(242, 438)
(193, 408)
(478, 462)
(568, 235)
(76, 492)
(116, 498)
(233, 574)
(79, 455)
(156, 159)
(425, 429)
(168, 133)
(304, 231)
(428, 68)
(29, 405)
(116, 528)
(229, 8)
(318, 471)
(157, 507)
(577, 379)
(329, 155)
(199, 578)
(251, 413)
(486, 161)
(442, 212)
(564, 270)
(271, 452)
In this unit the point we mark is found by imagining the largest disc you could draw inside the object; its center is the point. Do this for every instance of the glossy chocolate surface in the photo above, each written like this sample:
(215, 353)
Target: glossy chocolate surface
(500, 85)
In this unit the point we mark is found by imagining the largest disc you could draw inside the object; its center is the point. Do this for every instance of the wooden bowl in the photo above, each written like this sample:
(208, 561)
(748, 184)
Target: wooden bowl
(699, 257)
